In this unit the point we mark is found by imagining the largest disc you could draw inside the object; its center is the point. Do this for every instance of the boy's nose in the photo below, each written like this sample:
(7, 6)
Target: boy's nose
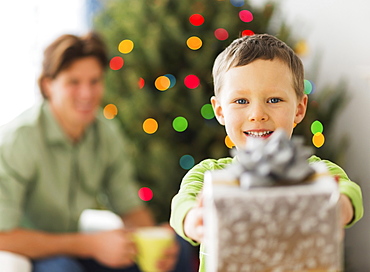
(257, 114)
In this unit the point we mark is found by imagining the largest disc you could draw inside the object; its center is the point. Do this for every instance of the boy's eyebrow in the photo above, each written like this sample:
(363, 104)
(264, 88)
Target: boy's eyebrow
(240, 92)
(248, 89)
(242, 89)
(270, 91)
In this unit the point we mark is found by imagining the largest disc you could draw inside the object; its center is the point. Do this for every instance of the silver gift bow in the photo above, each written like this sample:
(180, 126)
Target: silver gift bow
(275, 161)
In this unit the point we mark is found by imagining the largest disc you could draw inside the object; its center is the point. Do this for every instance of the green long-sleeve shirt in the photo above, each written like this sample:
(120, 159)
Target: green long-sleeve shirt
(46, 181)
(192, 184)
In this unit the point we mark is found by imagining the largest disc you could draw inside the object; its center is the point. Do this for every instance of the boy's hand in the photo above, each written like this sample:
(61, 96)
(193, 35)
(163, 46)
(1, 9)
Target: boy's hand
(193, 223)
(346, 209)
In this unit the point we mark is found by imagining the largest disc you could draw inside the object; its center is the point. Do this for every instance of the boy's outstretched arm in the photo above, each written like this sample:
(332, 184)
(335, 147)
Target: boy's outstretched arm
(186, 207)
(351, 203)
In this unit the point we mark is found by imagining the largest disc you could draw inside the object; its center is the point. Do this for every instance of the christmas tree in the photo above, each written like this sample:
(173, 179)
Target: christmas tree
(160, 81)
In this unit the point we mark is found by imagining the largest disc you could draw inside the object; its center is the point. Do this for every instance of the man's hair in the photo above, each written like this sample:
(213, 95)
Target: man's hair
(247, 49)
(66, 49)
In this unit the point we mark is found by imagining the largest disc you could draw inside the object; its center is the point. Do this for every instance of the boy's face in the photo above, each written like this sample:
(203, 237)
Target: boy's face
(256, 99)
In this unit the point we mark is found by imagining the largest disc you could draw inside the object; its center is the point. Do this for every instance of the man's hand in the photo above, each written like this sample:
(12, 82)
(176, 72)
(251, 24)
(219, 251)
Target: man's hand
(113, 248)
(169, 260)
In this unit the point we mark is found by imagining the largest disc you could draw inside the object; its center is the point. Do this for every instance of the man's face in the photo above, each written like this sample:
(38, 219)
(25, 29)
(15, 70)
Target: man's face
(75, 94)
(256, 99)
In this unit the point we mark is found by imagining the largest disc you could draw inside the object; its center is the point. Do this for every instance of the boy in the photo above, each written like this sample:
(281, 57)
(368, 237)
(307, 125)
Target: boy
(259, 84)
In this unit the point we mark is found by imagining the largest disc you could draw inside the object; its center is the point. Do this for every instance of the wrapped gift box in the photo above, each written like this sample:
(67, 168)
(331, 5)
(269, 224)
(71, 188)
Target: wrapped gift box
(276, 228)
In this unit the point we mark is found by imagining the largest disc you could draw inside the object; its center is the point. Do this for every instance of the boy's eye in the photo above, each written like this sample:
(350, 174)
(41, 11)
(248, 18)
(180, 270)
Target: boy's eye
(274, 100)
(241, 101)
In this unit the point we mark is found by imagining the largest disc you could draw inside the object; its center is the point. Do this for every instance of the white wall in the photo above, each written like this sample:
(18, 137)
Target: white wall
(340, 30)
(26, 27)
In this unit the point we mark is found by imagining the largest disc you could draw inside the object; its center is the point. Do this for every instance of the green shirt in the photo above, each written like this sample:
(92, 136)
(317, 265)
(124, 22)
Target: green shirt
(46, 180)
(192, 184)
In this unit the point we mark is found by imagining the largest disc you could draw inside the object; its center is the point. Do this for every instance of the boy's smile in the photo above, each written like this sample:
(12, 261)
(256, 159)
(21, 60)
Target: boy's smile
(258, 134)
(256, 99)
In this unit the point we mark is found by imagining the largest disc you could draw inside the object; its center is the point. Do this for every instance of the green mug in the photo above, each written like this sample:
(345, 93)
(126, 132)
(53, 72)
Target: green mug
(151, 243)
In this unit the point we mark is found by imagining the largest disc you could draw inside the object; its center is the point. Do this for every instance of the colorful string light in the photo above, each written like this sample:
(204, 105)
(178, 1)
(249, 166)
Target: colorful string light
(145, 194)
(228, 142)
(221, 34)
(196, 19)
(191, 81)
(318, 139)
(110, 111)
(317, 127)
(194, 43)
(150, 126)
(247, 32)
(162, 83)
(308, 86)
(126, 46)
(186, 162)
(116, 63)
(246, 16)
(207, 111)
(172, 79)
(301, 48)
(180, 124)
(237, 3)
(141, 83)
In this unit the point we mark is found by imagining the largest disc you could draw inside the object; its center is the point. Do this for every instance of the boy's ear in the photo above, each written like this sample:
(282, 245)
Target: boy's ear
(218, 110)
(301, 109)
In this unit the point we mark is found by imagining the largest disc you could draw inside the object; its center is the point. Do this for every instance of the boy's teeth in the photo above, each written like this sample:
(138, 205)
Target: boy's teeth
(258, 134)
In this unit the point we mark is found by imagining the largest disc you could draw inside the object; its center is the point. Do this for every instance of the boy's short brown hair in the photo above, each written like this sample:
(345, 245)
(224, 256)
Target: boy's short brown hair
(247, 49)
(66, 49)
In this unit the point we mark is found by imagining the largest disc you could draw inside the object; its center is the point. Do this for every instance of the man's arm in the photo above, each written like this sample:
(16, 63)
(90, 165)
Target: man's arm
(37, 244)
(111, 248)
